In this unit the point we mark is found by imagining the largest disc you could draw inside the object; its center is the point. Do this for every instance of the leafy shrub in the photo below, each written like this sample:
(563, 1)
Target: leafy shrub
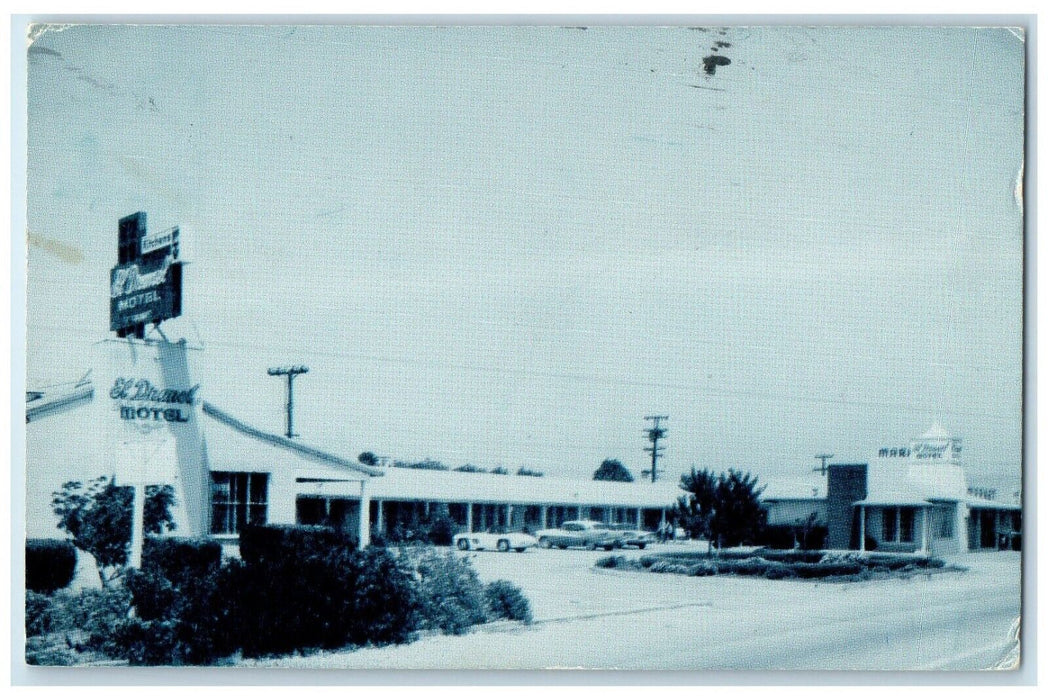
(791, 556)
(814, 537)
(441, 531)
(84, 622)
(704, 568)
(384, 600)
(268, 543)
(506, 601)
(49, 564)
(98, 516)
(452, 596)
(838, 557)
(823, 570)
(306, 588)
(778, 536)
(668, 567)
(620, 562)
(39, 618)
(177, 558)
(184, 605)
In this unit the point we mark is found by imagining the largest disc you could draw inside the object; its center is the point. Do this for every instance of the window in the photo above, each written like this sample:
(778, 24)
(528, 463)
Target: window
(237, 498)
(897, 525)
(906, 524)
(888, 531)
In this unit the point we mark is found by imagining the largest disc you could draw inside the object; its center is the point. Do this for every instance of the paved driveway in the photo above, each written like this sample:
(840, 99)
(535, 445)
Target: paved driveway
(595, 618)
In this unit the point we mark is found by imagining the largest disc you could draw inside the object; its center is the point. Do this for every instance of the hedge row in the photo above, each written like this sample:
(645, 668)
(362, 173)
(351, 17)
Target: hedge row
(299, 589)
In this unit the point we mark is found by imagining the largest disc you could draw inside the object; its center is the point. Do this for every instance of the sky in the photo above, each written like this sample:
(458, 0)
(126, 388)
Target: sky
(508, 245)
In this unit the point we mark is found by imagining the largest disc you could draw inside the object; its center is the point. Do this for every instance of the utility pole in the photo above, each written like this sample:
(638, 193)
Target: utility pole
(823, 469)
(655, 433)
(290, 373)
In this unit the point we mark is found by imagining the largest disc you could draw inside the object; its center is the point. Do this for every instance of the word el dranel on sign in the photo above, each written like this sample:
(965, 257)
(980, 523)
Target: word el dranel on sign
(139, 391)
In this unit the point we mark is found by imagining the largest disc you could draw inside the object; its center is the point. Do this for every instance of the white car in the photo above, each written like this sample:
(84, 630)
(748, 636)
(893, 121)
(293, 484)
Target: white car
(580, 533)
(503, 542)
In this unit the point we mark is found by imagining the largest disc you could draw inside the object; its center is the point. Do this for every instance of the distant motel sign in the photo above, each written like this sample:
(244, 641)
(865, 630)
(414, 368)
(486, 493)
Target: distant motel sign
(146, 284)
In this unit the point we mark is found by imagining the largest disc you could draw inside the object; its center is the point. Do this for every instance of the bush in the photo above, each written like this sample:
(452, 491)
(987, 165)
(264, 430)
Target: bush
(452, 596)
(39, 618)
(49, 564)
(507, 602)
(274, 543)
(814, 538)
(667, 567)
(825, 569)
(441, 531)
(184, 605)
(307, 588)
(84, 622)
(177, 558)
(778, 536)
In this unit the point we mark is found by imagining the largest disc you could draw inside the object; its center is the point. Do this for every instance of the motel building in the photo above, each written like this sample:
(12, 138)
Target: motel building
(140, 417)
(916, 498)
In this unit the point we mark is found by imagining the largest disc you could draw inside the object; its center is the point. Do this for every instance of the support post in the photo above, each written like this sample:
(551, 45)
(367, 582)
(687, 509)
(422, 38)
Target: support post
(509, 516)
(545, 517)
(862, 528)
(365, 515)
(640, 519)
(137, 524)
(380, 524)
(469, 517)
(925, 535)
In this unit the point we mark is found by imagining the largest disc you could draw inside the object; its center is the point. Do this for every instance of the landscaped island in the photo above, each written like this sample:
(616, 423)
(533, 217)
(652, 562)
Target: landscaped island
(834, 566)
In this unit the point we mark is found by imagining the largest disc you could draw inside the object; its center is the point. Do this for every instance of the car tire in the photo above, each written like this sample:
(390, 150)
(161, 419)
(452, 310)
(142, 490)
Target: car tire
(641, 545)
(545, 543)
(521, 549)
(592, 547)
(562, 546)
(503, 545)
(463, 544)
(609, 547)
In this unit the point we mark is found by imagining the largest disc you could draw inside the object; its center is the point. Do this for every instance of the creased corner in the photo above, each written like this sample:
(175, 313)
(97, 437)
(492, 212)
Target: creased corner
(38, 29)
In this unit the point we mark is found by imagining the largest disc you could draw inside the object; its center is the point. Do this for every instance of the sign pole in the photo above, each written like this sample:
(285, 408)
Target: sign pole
(138, 516)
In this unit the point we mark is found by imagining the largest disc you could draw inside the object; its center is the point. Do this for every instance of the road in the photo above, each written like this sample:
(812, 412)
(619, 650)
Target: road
(596, 618)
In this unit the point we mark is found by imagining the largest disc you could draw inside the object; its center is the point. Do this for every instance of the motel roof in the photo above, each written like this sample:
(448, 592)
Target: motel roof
(462, 487)
(233, 444)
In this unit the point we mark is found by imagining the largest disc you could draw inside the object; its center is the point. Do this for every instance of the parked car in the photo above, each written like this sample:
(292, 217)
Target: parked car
(503, 542)
(631, 536)
(579, 533)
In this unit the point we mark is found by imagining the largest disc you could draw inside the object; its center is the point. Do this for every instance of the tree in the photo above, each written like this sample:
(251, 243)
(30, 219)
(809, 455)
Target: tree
(724, 509)
(98, 517)
(739, 517)
(368, 458)
(694, 511)
(612, 470)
